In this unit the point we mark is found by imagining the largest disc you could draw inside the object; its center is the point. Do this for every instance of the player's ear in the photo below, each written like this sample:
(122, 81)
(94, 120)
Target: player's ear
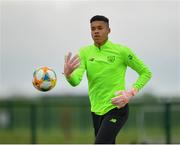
(109, 29)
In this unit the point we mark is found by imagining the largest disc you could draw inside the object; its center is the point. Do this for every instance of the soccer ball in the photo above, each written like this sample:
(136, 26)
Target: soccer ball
(44, 79)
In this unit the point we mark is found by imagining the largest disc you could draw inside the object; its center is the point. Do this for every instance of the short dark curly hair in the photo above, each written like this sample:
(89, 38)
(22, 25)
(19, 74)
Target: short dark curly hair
(99, 18)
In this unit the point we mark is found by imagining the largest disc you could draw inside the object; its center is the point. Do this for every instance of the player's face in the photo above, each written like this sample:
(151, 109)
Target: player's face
(99, 32)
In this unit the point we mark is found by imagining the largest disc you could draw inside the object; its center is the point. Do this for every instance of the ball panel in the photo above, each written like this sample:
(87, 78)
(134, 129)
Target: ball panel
(44, 79)
(39, 74)
(45, 86)
(51, 74)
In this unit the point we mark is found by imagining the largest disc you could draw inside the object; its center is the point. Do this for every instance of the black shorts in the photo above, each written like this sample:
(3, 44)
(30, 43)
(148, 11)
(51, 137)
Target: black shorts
(107, 126)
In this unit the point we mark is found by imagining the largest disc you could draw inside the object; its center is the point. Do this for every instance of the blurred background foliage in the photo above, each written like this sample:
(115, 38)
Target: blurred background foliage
(67, 119)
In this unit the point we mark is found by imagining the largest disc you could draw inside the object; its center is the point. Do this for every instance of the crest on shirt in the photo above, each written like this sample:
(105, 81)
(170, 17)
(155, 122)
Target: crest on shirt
(91, 59)
(111, 58)
(130, 57)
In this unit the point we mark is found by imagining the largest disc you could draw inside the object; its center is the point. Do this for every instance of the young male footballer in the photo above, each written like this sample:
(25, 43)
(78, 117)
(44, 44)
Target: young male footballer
(105, 64)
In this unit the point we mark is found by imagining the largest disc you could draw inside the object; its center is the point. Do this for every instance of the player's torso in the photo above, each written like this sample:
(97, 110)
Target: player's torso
(103, 61)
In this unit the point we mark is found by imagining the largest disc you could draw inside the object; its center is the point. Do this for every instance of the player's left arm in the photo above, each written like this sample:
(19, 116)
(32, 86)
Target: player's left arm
(123, 97)
(131, 60)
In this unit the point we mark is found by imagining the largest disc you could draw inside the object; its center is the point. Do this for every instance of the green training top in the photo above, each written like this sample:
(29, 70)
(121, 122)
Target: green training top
(105, 69)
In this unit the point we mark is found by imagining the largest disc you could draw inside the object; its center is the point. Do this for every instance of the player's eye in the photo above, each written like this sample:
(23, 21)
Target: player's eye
(93, 28)
(100, 28)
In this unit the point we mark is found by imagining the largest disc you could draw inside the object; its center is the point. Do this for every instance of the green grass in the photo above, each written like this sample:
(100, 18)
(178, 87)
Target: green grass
(15, 136)
(55, 136)
(23, 136)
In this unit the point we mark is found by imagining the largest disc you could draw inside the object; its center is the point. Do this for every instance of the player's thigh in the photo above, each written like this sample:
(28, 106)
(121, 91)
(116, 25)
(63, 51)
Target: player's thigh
(97, 119)
(111, 124)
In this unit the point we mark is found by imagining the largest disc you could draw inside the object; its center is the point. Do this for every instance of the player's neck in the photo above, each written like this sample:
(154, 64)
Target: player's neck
(101, 44)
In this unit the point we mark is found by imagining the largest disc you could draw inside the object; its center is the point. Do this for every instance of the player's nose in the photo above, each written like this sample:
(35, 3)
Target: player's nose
(96, 32)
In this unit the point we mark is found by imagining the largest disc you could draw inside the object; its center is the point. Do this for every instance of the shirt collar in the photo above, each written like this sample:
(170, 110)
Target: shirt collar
(105, 45)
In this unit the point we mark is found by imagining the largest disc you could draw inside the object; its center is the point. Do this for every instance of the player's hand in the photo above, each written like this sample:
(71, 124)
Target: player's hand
(70, 64)
(123, 97)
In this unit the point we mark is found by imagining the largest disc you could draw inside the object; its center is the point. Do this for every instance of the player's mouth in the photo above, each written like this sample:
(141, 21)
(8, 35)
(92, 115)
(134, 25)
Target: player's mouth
(96, 36)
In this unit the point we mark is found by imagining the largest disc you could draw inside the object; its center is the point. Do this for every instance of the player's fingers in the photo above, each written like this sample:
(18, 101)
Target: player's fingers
(125, 95)
(121, 106)
(122, 103)
(118, 93)
(116, 98)
(65, 58)
(75, 61)
(76, 65)
(74, 58)
(126, 100)
(68, 57)
(117, 101)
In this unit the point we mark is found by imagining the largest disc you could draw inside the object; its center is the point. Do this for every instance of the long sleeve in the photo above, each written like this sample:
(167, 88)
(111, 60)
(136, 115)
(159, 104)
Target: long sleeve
(138, 65)
(76, 76)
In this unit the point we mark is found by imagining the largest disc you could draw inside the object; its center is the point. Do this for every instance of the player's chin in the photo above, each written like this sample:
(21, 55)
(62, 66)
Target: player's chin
(97, 40)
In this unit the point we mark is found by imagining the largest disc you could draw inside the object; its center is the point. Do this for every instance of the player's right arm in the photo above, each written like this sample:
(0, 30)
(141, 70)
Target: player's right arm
(74, 69)
(70, 64)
